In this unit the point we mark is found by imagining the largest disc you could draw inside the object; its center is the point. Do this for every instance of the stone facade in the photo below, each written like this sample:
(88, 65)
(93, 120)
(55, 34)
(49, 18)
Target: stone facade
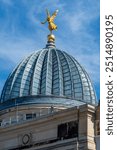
(65, 129)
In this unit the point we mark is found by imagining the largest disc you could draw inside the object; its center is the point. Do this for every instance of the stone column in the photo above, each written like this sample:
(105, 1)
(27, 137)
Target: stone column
(86, 127)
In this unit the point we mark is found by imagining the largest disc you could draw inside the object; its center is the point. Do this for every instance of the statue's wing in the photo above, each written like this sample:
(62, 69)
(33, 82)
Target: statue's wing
(48, 14)
(54, 15)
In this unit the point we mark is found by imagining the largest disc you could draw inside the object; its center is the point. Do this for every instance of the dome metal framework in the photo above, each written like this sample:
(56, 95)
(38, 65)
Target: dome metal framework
(49, 72)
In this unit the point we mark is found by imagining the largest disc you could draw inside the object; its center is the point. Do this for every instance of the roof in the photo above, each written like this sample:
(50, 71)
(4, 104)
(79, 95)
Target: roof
(49, 71)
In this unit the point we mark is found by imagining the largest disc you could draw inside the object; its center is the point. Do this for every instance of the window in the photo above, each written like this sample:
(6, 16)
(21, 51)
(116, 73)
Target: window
(30, 116)
(77, 85)
(68, 130)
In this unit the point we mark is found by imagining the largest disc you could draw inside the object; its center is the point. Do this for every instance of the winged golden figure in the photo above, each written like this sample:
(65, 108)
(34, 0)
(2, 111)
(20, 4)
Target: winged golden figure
(50, 20)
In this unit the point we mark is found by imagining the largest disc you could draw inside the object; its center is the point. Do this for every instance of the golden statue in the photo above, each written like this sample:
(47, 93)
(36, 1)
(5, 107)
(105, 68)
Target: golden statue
(50, 20)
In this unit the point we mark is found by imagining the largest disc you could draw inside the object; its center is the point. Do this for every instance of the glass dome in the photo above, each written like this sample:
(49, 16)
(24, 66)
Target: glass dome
(49, 72)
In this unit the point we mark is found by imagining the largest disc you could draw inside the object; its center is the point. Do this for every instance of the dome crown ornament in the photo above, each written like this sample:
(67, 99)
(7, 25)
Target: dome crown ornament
(50, 19)
(51, 26)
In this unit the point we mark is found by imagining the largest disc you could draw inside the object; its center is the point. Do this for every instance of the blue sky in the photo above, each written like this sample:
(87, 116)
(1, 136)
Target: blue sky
(78, 33)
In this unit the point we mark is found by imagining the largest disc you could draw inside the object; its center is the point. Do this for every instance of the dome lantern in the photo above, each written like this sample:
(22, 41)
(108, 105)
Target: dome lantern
(51, 41)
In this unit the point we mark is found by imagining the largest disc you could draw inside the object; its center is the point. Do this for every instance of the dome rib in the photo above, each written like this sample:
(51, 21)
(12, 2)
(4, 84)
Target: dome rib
(66, 73)
(33, 72)
(16, 77)
(79, 68)
(60, 74)
(55, 74)
(86, 88)
(57, 81)
(37, 73)
(71, 79)
(6, 92)
(16, 74)
(49, 74)
(31, 85)
(43, 75)
(92, 90)
(76, 77)
(88, 85)
(27, 74)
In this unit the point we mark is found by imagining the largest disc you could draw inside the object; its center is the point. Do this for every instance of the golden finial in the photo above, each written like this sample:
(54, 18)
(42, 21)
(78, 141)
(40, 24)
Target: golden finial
(50, 19)
(51, 26)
